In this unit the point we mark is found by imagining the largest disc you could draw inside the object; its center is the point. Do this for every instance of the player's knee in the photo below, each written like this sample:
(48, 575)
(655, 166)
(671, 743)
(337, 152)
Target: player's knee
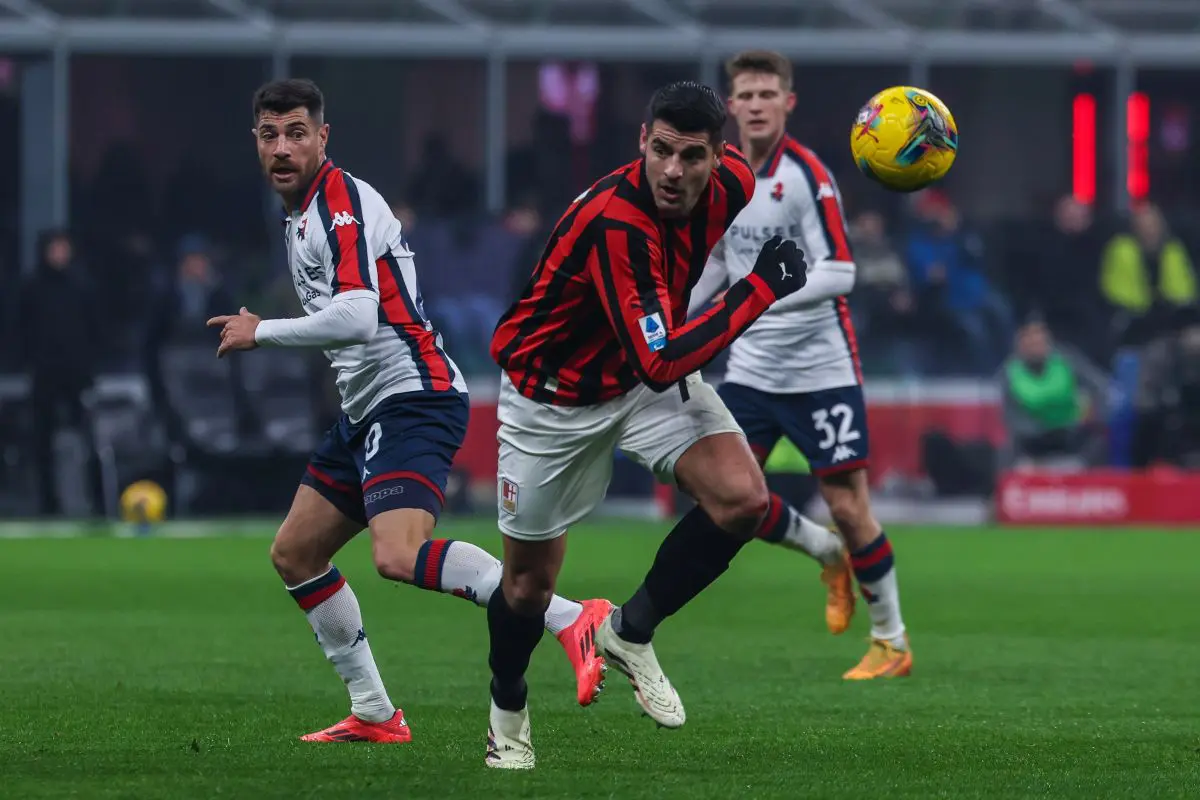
(396, 539)
(741, 509)
(396, 565)
(850, 511)
(396, 559)
(529, 593)
(294, 563)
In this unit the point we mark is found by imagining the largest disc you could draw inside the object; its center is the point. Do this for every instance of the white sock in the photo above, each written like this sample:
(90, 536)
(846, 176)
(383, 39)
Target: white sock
(786, 526)
(561, 614)
(458, 568)
(808, 537)
(333, 612)
(473, 573)
(875, 568)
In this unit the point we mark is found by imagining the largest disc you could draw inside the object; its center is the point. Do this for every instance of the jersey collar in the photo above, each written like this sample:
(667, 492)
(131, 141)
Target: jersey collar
(767, 170)
(315, 186)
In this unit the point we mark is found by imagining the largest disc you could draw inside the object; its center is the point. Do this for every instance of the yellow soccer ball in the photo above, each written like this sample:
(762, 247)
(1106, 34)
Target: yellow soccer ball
(143, 502)
(904, 138)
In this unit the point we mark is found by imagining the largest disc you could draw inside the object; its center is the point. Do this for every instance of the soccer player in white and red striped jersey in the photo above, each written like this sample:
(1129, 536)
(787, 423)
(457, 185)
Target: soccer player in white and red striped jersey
(384, 465)
(795, 372)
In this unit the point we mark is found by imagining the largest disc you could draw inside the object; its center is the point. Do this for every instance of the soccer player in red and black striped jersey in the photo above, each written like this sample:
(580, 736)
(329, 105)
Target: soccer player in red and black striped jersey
(597, 355)
(796, 373)
(384, 465)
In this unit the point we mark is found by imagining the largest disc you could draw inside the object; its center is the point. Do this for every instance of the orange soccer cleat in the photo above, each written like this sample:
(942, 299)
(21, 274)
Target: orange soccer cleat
(353, 729)
(883, 660)
(579, 640)
(839, 598)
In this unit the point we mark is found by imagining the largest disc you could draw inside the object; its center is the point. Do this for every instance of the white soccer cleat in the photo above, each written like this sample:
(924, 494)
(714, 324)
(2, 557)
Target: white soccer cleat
(508, 743)
(653, 691)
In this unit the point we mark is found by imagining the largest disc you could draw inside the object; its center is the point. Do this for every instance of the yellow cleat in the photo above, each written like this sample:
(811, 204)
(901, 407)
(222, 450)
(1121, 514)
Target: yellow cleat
(839, 599)
(883, 660)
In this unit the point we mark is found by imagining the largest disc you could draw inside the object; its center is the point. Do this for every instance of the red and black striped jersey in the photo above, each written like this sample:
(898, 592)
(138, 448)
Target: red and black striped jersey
(606, 305)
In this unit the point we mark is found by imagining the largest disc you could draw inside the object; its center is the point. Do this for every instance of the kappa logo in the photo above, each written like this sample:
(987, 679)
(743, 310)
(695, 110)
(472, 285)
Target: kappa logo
(843, 453)
(509, 493)
(342, 218)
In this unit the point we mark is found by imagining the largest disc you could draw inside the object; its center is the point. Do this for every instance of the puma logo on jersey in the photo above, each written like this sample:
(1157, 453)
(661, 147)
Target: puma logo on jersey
(843, 453)
(343, 218)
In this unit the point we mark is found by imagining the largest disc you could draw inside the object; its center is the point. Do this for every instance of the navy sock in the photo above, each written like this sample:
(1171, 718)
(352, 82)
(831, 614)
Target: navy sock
(513, 639)
(695, 553)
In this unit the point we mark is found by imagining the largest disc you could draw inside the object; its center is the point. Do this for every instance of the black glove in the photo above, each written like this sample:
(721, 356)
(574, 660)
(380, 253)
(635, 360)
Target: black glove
(781, 266)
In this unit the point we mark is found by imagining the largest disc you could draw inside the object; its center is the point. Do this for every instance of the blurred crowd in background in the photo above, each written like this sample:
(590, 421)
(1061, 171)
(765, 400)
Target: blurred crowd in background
(1084, 319)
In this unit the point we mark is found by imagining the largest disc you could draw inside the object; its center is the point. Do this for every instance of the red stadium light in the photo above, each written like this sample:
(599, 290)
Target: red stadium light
(1083, 148)
(1137, 138)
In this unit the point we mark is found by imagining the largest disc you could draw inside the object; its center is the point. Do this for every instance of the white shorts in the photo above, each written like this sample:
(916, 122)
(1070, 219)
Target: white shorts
(556, 461)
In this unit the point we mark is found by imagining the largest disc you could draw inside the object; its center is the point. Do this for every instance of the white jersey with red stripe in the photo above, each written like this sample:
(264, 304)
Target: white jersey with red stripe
(804, 343)
(344, 240)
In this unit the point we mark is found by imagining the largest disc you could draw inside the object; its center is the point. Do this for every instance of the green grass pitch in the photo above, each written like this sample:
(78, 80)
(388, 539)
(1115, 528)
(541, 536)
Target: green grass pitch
(1048, 664)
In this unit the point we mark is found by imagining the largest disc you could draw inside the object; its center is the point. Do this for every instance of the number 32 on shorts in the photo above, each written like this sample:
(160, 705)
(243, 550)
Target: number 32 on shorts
(836, 425)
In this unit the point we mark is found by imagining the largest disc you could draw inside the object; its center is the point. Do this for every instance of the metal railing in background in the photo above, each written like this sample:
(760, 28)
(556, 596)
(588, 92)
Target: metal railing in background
(1123, 34)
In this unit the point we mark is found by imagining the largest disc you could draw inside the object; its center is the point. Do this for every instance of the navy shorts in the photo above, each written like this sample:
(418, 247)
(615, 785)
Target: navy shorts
(398, 457)
(829, 426)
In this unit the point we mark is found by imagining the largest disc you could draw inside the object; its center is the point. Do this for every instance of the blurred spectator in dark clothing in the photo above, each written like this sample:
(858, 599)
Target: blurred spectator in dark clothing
(946, 264)
(119, 196)
(536, 228)
(1147, 275)
(442, 185)
(58, 314)
(192, 295)
(407, 216)
(1168, 399)
(130, 267)
(1054, 271)
(1054, 403)
(474, 282)
(884, 310)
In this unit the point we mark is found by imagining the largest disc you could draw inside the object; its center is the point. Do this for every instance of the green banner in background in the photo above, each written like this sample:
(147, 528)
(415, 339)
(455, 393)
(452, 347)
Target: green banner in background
(786, 458)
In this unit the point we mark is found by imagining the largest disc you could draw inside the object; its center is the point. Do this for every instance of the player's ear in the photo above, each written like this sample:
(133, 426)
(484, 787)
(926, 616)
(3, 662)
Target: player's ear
(642, 140)
(322, 140)
(790, 103)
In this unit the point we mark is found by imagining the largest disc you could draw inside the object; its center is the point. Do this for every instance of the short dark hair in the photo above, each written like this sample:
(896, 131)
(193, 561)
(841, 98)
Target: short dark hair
(765, 61)
(688, 107)
(280, 97)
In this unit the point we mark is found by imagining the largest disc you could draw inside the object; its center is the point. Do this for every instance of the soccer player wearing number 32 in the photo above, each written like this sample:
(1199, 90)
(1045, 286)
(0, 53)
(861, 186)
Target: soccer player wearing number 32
(795, 372)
